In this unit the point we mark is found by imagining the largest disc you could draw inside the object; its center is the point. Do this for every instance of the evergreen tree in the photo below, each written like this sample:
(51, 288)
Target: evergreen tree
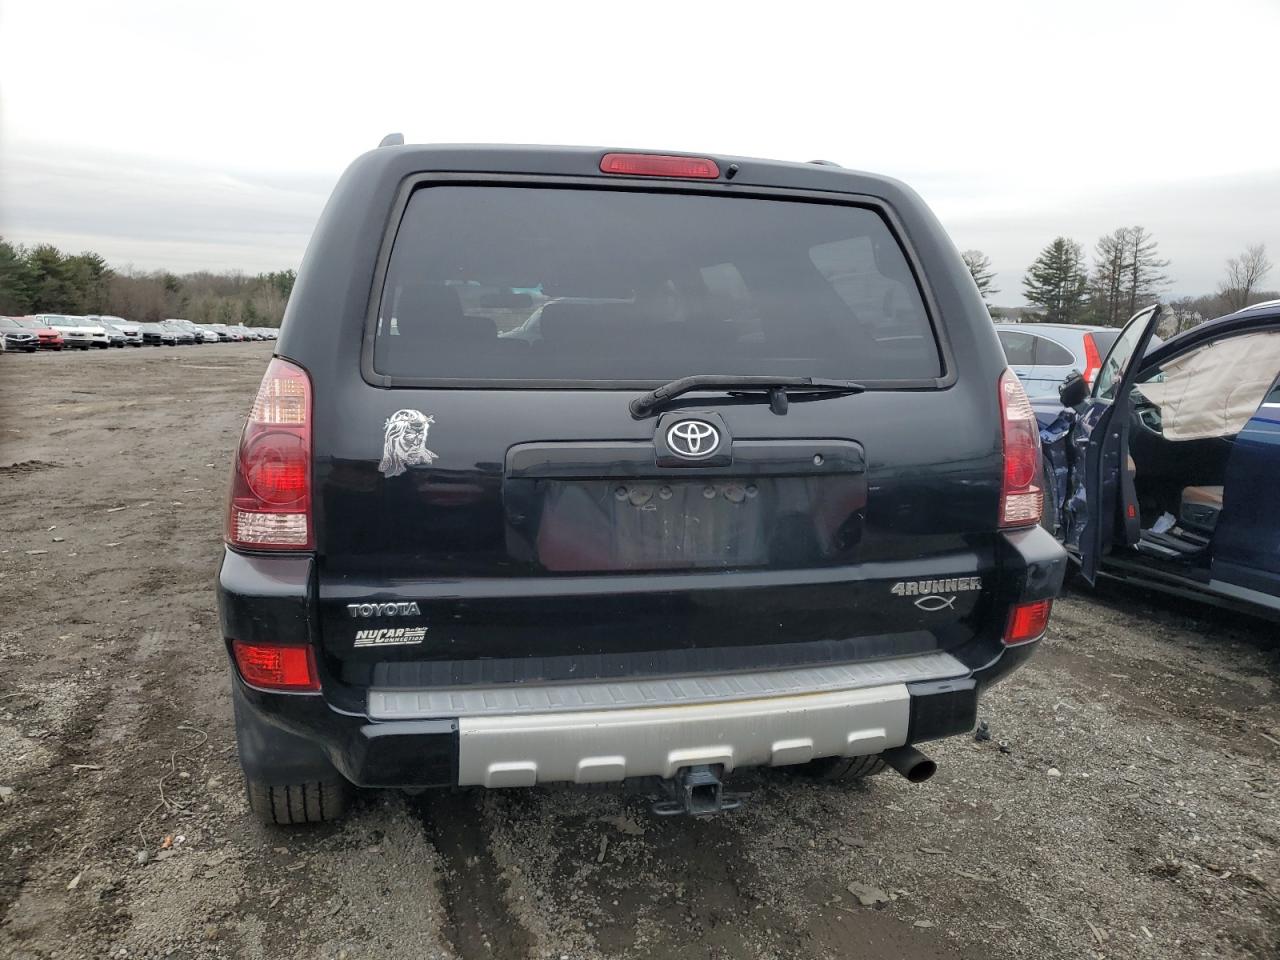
(1058, 283)
(17, 283)
(52, 290)
(88, 276)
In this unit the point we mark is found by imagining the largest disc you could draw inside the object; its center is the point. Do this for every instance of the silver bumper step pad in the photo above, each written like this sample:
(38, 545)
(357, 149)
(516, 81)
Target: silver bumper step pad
(606, 731)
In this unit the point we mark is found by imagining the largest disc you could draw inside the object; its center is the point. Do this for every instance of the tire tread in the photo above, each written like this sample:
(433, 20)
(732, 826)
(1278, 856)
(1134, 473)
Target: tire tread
(841, 769)
(317, 801)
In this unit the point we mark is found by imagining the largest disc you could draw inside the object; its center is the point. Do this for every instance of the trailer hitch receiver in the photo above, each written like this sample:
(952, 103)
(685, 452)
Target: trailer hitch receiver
(697, 791)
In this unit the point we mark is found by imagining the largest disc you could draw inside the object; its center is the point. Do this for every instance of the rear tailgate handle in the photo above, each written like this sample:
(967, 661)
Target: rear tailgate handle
(766, 458)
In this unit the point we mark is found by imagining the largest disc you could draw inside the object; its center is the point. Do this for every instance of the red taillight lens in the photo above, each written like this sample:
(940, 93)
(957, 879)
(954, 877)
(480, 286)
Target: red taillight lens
(274, 667)
(652, 165)
(276, 467)
(1027, 622)
(271, 488)
(1021, 498)
(1092, 362)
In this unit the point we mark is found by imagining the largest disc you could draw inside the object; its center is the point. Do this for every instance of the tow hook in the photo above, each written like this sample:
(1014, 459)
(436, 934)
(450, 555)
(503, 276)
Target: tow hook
(697, 791)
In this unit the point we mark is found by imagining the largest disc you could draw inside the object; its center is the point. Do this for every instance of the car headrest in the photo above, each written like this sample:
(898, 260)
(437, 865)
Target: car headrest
(433, 311)
(571, 323)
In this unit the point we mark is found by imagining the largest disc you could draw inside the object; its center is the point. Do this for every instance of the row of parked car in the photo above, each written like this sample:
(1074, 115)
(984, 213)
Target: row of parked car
(54, 331)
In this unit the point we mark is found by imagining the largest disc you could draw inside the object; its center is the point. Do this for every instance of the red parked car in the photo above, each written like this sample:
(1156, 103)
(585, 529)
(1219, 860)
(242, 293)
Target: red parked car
(49, 338)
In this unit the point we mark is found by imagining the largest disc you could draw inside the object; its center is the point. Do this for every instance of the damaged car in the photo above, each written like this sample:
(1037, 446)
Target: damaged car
(1163, 471)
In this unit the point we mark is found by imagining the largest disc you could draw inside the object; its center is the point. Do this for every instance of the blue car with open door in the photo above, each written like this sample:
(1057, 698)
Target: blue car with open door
(1164, 471)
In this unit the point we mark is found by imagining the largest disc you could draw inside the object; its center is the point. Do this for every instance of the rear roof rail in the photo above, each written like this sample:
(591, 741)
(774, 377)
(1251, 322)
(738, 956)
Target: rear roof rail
(392, 140)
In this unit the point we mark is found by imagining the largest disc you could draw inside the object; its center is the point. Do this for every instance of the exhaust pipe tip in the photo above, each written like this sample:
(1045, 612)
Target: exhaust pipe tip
(911, 763)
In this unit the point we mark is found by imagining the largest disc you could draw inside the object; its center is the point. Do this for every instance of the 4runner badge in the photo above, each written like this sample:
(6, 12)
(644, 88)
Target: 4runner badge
(928, 593)
(404, 442)
(366, 610)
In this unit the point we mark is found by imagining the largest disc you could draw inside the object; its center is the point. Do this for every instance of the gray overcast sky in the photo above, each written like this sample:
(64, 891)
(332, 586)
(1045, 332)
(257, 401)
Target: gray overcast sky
(207, 135)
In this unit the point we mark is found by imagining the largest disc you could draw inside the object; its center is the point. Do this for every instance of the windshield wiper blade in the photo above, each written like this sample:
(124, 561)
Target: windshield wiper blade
(774, 386)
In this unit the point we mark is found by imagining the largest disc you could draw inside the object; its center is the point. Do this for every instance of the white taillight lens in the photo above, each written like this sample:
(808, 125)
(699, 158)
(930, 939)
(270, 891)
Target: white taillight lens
(270, 505)
(281, 401)
(1021, 497)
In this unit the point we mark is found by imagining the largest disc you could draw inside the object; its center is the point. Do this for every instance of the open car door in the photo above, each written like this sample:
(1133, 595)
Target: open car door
(1246, 563)
(1102, 432)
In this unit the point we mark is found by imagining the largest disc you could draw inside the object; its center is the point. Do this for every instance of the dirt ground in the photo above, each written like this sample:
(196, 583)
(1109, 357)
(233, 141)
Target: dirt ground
(1126, 805)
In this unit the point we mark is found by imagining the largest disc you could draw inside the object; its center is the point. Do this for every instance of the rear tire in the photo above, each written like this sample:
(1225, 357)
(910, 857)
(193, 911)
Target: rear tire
(319, 801)
(839, 769)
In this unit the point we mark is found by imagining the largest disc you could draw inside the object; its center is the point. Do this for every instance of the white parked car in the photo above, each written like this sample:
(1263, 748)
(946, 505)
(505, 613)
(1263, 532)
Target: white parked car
(79, 332)
(199, 333)
(132, 334)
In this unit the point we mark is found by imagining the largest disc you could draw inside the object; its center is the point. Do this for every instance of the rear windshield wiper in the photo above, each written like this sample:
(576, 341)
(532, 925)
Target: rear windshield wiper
(775, 387)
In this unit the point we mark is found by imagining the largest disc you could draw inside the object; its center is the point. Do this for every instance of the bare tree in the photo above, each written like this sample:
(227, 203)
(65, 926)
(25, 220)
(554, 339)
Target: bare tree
(1107, 281)
(1128, 274)
(1244, 273)
(979, 265)
(1145, 269)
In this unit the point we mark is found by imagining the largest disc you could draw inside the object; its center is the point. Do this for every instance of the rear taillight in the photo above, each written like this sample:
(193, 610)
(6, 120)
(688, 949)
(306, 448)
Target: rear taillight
(652, 165)
(1027, 622)
(270, 505)
(1021, 498)
(1092, 362)
(276, 667)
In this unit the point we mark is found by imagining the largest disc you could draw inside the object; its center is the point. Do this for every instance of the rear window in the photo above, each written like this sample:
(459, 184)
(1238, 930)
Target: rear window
(1052, 354)
(577, 285)
(1019, 348)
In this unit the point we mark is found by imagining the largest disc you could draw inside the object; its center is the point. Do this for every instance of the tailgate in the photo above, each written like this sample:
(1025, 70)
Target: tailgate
(556, 558)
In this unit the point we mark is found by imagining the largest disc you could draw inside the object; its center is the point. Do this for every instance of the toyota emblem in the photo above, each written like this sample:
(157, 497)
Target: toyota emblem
(693, 439)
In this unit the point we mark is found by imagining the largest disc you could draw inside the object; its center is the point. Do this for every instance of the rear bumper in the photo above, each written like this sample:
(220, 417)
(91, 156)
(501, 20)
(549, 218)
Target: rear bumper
(495, 735)
(521, 750)
(294, 738)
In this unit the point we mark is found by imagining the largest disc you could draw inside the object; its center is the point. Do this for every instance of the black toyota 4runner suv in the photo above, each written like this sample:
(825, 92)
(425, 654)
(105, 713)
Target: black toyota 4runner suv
(582, 465)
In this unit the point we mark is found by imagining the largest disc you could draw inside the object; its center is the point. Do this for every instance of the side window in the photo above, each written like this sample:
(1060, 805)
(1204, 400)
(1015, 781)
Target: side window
(1019, 348)
(1052, 354)
(1118, 357)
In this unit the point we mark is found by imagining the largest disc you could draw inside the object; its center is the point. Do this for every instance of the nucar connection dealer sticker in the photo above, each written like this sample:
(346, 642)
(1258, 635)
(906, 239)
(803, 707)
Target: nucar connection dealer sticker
(390, 636)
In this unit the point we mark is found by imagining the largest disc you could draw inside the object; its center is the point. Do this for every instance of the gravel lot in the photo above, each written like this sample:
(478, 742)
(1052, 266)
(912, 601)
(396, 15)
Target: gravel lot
(1127, 805)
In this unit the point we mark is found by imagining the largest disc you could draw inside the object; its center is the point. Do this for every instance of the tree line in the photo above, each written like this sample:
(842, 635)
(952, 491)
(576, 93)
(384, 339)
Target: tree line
(1127, 273)
(43, 279)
